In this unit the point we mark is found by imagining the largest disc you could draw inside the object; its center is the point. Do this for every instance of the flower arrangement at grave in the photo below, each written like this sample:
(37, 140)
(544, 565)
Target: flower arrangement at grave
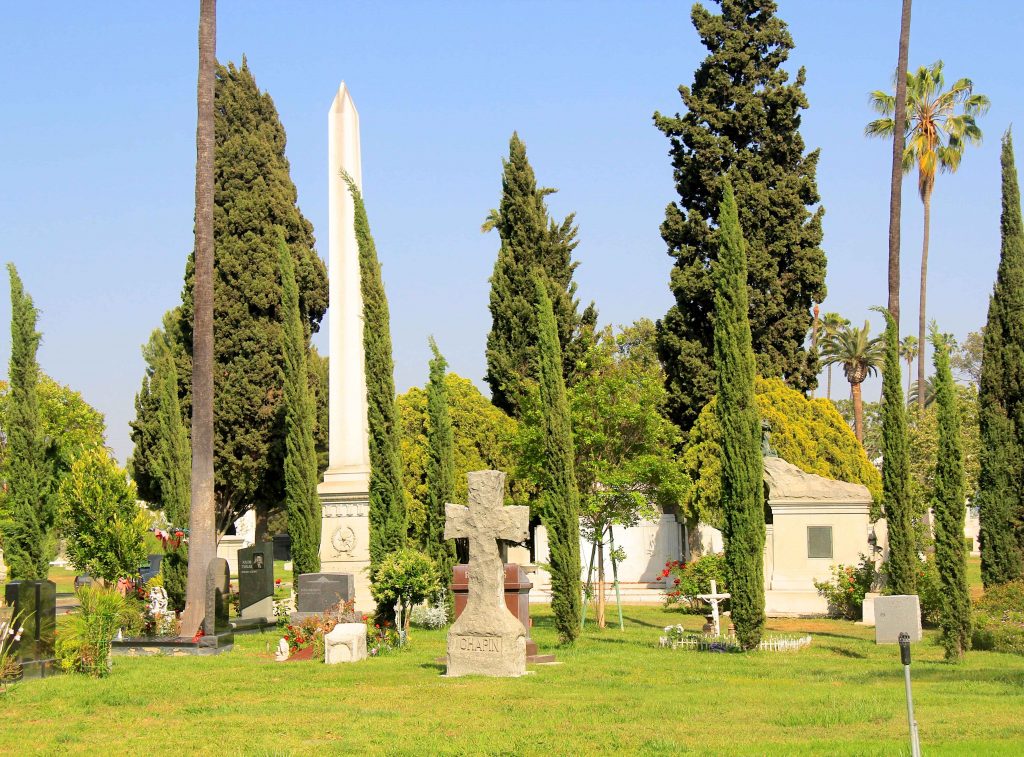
(310, 632)
(171, 537)
(382, 638)
(11, 629)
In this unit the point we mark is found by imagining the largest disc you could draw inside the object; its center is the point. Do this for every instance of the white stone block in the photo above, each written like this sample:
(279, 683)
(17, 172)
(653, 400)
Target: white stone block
(346, 643)
(896, 614)
(868, 608)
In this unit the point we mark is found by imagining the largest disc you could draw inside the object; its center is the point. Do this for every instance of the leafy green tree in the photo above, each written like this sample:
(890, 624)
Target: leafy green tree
(255, 199)
(736, 411)
(860, 356)
(98, 515)
(966, 358)
(300, 464)
(742, 116)
(1001, 397)
(923, 444)
(948, 506)
(808, 433)
(560, 499)
(388, 520)
(404, 577)
(484, 438)
(897, 503)
(625, 460)
(530, 240)
(440, 469)
(936, 136)
(27, 509)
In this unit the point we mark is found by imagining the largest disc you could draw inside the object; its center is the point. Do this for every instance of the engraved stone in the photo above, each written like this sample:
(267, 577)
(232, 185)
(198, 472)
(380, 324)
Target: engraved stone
(486, 639)
(897, 614)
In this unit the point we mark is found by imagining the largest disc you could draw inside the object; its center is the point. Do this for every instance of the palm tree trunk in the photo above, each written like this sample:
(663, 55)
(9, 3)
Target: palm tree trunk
(202, 524)
(910, 375)
(899, 141)
(858, 412)
(828, 391)
(922, 315)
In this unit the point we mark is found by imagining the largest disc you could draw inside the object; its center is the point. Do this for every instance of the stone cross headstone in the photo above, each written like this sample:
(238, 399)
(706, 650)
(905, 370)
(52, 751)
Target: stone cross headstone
(35, 607)
(319, 592)
(713, 599)
(256, 581)
(218, 580)
(486, 639)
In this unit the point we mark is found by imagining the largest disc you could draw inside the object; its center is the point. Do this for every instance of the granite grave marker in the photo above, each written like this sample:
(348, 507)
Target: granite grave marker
(256, 581)
(35, 606)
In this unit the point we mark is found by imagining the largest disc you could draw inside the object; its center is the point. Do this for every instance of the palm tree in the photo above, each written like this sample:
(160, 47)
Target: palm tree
(860, 357)
(939, 125)
(831, 324)
(908, 351)
(926, 399)
(896, 181)
(202, 519)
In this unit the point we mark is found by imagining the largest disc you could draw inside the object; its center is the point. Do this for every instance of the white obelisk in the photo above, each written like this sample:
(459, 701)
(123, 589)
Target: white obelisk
(344, 493)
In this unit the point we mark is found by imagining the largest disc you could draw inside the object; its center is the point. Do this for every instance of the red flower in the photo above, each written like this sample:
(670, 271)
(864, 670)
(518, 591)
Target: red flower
(677, 582)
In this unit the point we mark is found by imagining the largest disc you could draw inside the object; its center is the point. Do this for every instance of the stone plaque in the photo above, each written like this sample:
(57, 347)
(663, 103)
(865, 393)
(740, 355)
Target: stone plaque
(897, 614)
(35, 606)
(218, 580)
(256, 581)
(486, 639)
(319, 592)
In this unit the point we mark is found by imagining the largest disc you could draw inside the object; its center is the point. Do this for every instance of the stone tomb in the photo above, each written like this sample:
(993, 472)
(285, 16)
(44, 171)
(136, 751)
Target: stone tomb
(35, 606)
(319, 592)
(256, 581)
(486, 639)
(897, 614)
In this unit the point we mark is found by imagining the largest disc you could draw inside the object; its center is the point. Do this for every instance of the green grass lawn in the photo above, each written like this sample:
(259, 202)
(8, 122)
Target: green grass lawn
(613, 692)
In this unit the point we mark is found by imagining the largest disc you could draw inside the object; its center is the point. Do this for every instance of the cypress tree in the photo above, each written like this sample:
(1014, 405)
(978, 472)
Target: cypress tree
(742, 116)
(530, 240)
(27, 517)
(948, 506)
(560, 499)
(255, 199)
(897, 503)
(387, 496)
(1001, 397)
(736, 410)
(440, 469)
(174, 470)
(300, 463)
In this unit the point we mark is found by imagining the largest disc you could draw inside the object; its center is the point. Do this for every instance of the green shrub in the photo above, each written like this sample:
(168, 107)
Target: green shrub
(693, 578)
(83, 646)
(929, 591)
(406, 577)
(845, 592)
(999, 619)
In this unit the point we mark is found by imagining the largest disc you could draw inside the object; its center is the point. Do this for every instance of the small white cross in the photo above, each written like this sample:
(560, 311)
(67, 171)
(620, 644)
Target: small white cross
(713, 599)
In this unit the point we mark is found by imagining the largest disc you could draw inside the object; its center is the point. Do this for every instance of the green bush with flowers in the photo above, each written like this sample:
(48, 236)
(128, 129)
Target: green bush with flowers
(406, 578)
(999, 619)
(845, 592)
(687, 580)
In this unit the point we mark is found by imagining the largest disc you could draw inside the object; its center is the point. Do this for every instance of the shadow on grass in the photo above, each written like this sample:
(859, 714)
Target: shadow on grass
(438, 667)
(846, 652)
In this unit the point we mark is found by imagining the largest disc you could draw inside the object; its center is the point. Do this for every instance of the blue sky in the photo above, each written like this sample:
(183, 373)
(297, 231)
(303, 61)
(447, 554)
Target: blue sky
(98, 130)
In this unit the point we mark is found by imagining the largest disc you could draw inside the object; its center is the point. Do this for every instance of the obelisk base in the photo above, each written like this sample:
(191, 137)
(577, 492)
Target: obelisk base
(345, 538)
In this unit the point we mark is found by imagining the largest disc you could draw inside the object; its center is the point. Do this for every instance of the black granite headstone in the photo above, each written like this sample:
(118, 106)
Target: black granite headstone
(283, 547)
(35, 606)
(218, 580)
(256, 577)
(321, 591)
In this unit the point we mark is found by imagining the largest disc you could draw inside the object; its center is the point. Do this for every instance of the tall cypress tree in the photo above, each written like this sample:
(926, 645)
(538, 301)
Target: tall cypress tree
(255, 198)
(1001, 397)
(174, 469)
(948, 506)
(387, 496)
(300, 463)
(530, 240)
(560, 499)
(896, 499)
(27, 515)
(440, 468)
(743, 117)
(736, 410)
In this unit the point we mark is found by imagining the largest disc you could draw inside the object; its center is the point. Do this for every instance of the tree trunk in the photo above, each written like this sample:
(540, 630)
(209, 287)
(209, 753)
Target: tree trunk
(262, 516)
(910, 375)
(899, 141)
(828, 391)
(600, 582)
(203, 522)
(858, 412)
(922, 314)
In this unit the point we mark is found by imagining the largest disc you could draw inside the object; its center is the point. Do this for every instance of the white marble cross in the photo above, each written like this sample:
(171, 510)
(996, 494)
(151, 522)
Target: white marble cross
(713, 599)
